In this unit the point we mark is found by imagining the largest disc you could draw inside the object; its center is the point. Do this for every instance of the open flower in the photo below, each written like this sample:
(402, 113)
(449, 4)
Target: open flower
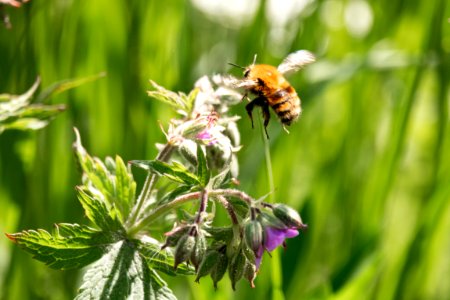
(274, 237)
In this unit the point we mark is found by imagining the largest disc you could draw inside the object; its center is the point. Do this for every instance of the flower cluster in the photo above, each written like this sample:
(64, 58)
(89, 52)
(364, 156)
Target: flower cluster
(256, 226)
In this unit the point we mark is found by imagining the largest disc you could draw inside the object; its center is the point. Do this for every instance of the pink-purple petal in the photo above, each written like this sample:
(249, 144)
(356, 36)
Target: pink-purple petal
(275, 237)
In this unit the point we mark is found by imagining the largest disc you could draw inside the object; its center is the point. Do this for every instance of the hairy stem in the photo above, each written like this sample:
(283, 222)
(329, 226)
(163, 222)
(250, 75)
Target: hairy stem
(163, 209)
(149, 183)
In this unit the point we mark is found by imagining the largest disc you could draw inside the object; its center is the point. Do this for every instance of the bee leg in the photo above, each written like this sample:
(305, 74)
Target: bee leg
(266, 116)
(249, 107)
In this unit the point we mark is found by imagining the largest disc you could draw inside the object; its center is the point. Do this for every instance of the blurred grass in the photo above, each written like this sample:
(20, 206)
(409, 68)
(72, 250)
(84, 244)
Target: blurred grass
(367, 165)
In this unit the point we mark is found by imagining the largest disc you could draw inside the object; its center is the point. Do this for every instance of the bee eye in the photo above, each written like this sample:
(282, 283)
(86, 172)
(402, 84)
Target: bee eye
(246, 72)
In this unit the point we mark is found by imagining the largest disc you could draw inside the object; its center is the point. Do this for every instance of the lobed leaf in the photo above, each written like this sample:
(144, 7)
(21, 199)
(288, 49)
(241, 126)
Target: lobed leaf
(70, 246)
(122, 273)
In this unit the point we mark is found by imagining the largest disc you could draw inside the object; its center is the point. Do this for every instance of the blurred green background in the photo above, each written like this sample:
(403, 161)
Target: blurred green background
(367, 165)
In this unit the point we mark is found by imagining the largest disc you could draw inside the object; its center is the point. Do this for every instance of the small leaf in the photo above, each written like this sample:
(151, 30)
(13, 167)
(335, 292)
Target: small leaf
(114, 185)
(179, 101)
(98, 213)
(122, 273)
(221, 180)
(67, 84)
(202, 169)
(182, 189)
(175, 172)
(71, 246)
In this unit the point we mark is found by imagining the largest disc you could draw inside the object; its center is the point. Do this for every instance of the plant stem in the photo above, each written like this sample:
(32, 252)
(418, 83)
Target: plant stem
(276, 275)
(161, 210)
(149, 183)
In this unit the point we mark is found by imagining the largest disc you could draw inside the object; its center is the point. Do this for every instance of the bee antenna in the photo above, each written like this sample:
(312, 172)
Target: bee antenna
(254, 59)
(237, 66)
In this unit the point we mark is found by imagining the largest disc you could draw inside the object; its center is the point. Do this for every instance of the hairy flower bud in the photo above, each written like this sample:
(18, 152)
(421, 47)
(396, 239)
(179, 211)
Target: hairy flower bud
(208, 263)
(250, 273)
(253, 233)
(287, 215)
(184, 248)
(172, 237)
(188, 149)
(236, 268)
(199, 250)
(268, 219)
(219, 269)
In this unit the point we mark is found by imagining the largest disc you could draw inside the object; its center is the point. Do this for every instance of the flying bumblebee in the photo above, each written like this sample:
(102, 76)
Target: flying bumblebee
(272, 89)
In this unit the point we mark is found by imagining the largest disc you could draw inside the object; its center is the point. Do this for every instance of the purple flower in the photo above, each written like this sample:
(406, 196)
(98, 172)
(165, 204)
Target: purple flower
(273, 238)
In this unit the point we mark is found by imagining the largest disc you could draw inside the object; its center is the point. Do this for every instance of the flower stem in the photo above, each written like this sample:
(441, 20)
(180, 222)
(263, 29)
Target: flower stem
(277, 292)
(161, 210)
(149, 183)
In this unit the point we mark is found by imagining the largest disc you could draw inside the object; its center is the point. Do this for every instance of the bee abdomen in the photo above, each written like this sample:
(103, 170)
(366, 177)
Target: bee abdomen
(286, 103)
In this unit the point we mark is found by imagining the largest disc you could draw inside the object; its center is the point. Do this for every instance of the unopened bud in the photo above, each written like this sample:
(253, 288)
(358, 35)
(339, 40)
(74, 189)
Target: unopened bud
(253, 233)
(268, 219)
(236, 268)
(221, 233)
(287, 215)
(219, 269)
(174, 236)
(199, 250)
(188, 149)
(250, 273)
(208, 263)
(184, 249)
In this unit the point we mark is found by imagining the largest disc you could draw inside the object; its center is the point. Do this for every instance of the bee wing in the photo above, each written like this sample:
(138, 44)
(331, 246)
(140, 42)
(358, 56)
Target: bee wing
(233, 82)
(295, 61)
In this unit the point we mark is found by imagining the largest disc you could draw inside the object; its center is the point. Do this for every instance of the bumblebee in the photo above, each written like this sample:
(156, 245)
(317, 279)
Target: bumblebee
(272, 89)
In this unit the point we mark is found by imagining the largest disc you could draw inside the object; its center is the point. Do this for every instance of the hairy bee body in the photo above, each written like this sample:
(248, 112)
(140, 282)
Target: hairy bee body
(272, 89)
(275, 91)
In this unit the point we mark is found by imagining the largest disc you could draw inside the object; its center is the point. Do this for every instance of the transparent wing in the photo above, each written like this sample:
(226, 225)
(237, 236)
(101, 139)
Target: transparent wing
(233, 82)
(295, 61)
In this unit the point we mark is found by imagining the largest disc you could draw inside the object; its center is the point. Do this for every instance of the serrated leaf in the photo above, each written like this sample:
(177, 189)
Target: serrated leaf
(114, 185)
(179, 101)
(122, 273)
(239, 206)
(221, 180)
(98, 213)
(182, 189)
(70, 246)
(175, 172)
(67, 84)
(203, 172)
(163, 260)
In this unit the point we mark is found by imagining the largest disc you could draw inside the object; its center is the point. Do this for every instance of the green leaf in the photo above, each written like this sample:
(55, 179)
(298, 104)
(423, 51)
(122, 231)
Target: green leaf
(221, 180)
(67, 84)
(175, 172)
(162, 260)
(179, 101)
(70, 246)
(123, 273)
(98, 213)
(203, 172)
(182, 189)
(114, 185)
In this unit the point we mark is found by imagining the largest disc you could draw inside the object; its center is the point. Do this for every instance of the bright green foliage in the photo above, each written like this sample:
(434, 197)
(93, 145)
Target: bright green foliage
(179, 101)
(114, 190)
(203, 172)
(122, 273)
(70, 246)
(175, 171)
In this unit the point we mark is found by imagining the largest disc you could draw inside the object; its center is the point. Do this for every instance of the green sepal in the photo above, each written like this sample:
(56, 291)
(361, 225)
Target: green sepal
(203, 173)
(69, 246)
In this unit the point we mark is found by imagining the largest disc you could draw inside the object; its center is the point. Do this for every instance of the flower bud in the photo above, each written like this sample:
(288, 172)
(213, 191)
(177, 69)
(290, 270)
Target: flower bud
(184, 249)
(268, 219)
(174, 236)
(236, 268)
(199, 250)
(253, 234)
(219, 269)
(208, 263)
(287, 215)
(188, 149)
(250, 273)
